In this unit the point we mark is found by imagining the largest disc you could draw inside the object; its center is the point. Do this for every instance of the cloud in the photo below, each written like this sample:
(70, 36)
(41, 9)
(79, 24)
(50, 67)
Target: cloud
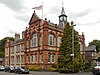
(54, 10)
(9, 23)
(12, 4)
(24, 18)
(91, 18)
(12, 32)
(80, 14)
(15, 8)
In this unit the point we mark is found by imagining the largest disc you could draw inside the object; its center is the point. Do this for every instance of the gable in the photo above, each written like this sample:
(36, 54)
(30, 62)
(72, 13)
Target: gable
(34, 18)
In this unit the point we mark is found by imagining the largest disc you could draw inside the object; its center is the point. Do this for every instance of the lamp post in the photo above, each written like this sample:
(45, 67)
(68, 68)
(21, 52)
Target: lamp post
(72, 24)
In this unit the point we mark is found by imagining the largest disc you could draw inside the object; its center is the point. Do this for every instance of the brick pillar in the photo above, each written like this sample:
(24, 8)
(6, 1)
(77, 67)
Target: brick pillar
(25, 46)
(45, 44)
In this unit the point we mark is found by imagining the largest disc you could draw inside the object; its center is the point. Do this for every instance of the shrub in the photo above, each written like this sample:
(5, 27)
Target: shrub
(63, 70)
(53, 69)
(32, 69)
(37, 68)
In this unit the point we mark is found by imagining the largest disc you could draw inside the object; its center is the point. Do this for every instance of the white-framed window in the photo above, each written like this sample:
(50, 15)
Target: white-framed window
(49, 58)
(6, 51)
(51, 39)
(22, 59)
(59, 41)
(32, 58)
(41, 58)
(53, 58)
(92, 54)
(12, 49)
(34, 40)
(22, 47)
(17, 48)
(18, 59)
(36, 58)
(12, 59)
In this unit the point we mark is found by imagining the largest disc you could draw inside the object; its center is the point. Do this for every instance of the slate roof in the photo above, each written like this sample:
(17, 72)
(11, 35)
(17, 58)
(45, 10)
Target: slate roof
(91, 48)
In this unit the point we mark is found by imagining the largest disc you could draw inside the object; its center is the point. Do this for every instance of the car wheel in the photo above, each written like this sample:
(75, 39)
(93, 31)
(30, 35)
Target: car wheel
(9, 71)
(20, 72)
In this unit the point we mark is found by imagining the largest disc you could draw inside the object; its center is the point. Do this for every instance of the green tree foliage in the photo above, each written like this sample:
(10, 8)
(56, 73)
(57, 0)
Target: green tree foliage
(2, 43)
(65, 61)
(96, 43)
(88, 66)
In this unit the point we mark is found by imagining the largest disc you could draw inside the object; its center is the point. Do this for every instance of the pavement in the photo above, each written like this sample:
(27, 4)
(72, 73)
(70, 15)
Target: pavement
(45, 73)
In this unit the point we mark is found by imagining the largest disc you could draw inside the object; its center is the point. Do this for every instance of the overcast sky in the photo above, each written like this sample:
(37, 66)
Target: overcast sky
(15, 15)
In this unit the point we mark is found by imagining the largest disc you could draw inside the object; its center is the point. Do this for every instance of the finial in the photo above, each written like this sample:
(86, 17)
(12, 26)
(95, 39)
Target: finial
(34, 11)
(72, 22)
(62, 12)
(45, 18)
(62, 4)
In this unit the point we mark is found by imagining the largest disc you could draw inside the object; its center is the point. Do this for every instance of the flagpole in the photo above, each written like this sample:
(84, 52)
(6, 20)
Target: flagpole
(43, 66)
(42, 12)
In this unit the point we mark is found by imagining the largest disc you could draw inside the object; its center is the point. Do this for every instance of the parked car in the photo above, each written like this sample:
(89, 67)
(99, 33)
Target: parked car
(2, 68)
(96, 70)
(6, 68)
(21, 69)
(9, 69)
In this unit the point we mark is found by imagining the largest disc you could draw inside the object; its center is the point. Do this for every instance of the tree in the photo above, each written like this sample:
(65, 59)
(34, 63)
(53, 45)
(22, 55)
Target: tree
(96, 43)
(2, 43)
(65, 61)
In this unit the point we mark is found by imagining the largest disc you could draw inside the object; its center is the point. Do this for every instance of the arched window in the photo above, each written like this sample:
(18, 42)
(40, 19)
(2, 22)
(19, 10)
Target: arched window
(36, 58)
(41, 58)
(53, 58)
(49, 58)
(34, 40)
(51, 39)
(59, 41)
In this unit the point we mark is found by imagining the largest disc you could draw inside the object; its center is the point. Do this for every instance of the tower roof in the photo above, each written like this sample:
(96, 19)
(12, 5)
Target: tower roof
(62, 11)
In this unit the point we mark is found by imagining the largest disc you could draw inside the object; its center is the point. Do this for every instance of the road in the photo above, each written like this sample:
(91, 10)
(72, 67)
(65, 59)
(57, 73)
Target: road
(43, 73)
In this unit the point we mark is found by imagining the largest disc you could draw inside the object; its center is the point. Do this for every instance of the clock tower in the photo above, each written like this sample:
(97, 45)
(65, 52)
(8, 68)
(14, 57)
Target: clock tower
(62, 18)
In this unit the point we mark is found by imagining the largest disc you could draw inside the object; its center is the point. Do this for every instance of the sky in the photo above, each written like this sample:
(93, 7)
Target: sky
(15, 15)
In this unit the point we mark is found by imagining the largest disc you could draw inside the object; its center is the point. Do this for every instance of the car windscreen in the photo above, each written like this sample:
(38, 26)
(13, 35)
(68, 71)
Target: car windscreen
(23, 67)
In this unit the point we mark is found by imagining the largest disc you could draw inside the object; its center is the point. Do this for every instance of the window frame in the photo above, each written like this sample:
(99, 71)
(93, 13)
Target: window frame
(49, 58)
(59, 41)
(34, 40)
(51, 39)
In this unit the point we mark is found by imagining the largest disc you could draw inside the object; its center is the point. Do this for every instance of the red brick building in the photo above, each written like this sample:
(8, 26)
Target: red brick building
(39, 45)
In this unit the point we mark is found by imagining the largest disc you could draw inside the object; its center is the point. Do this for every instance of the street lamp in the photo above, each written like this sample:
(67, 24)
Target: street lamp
(72, 24)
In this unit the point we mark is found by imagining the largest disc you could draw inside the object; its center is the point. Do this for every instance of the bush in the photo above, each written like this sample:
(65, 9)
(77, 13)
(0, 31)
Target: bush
(32, 69)
(63, 70)
(88, 66)
(36, 68)
(53, 69)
